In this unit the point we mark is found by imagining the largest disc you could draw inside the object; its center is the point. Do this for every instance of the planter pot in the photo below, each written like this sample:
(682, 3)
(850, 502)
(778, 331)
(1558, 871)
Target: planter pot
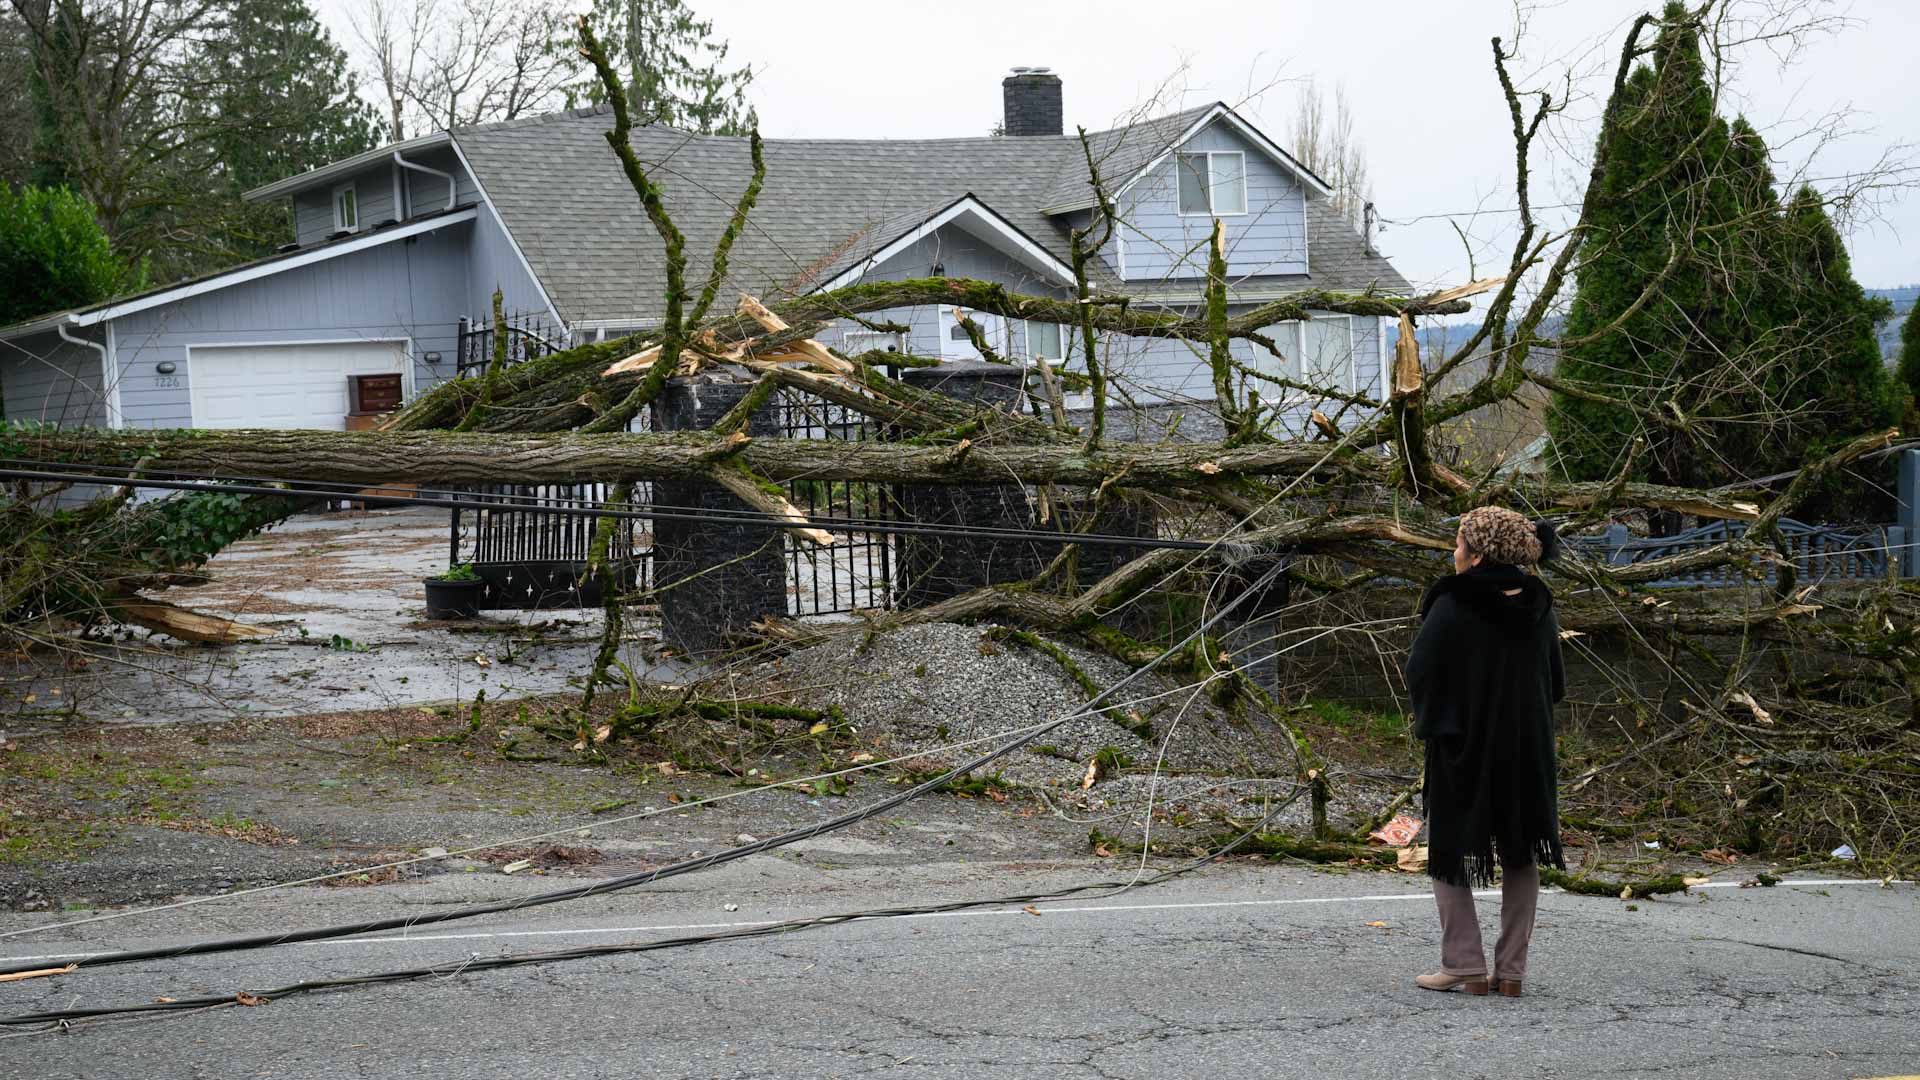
(453, 599)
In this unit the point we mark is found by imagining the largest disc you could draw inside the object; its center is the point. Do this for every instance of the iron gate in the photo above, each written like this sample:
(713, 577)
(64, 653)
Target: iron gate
(534, 557)
(857, 572)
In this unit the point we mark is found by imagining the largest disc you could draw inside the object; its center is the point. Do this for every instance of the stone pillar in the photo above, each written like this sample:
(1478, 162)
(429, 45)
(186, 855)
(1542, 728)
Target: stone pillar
(934, 568)
(1251, 634)
(714, 580)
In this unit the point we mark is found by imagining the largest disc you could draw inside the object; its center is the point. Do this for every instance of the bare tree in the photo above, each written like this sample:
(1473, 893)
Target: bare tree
(1328, 146)
(451, 63)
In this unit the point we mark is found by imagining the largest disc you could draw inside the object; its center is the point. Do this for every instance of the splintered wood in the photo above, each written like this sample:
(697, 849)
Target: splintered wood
(164, 618)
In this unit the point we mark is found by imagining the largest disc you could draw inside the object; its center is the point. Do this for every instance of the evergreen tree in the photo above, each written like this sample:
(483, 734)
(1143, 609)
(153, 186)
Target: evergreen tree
(1761, 338)
(54, 255)
(284, 101)
(672, 66)
(1829, 344)
(1666, 185)
(1910, 353)
(58, 54)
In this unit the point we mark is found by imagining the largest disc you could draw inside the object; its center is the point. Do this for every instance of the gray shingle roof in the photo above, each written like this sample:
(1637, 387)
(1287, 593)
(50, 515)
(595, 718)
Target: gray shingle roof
(826, 204)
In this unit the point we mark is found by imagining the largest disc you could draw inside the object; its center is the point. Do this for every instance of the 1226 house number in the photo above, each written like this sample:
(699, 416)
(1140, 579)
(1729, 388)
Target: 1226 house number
(166, 382)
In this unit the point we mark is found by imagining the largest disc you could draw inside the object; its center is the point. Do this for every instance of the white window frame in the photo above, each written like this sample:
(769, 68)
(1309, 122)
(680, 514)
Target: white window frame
(1245, 203)
(341, 225)
(1352, 381)
(1068, 399)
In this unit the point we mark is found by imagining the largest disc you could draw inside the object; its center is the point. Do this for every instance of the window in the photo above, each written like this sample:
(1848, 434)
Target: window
(346, 209)
(1326, 350)
(956, 332)
(1212, 184)
(1043, 341)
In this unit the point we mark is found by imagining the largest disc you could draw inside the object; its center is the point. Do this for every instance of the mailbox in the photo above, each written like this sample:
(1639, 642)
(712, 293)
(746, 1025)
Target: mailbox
(374, 393)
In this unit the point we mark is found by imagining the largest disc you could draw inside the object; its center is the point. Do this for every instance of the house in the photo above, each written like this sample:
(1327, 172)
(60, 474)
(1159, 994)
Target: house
(400, 249)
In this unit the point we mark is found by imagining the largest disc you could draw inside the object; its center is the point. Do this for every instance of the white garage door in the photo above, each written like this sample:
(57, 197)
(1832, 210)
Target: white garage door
(283, 386)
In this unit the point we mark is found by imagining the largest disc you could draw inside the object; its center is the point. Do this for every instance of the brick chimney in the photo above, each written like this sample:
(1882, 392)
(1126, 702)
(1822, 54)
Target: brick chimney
(1032, 102)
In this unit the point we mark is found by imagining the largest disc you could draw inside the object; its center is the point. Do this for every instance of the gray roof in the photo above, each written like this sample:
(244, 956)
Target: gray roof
(826, 204)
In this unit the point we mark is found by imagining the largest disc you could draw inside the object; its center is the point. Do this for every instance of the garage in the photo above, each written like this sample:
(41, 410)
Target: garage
(285, 385)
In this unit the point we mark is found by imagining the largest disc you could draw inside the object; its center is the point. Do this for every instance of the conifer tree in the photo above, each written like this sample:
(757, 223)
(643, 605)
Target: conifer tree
(1665, 187)
(1910, 353)
(1759, 339)
(673, 66)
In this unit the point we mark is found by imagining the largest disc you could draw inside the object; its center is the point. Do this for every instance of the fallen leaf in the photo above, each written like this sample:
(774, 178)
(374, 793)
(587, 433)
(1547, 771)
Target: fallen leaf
(481, 660)
(602, 733)
(164, 1000)
(1690, 882)
(1379, 924)
(249, 1000)
(673, 796)
(1208, 467)
(1569, 635)
(1412, 859)
(1103, 851)
(1031, 910)
(1093, 774)
(516, 866)
(818, 729)
(1626, 893)
(860, 757)
(1721, 856)
(666, 768)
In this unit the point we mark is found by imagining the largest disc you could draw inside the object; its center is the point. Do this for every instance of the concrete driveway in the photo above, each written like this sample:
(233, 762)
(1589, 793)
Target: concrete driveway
(342, 592)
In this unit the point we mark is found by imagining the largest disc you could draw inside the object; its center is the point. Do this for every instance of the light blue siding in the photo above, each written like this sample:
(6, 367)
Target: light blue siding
(414, 290)
(373, 192)
(426, 193)
(374, 188)
(959, 254)
(51, 381)
(1156, 241)
(492, 264)
(1162, 371)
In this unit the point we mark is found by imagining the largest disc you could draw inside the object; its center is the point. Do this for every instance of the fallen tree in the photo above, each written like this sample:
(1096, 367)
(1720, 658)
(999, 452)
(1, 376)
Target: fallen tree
(1364, 495)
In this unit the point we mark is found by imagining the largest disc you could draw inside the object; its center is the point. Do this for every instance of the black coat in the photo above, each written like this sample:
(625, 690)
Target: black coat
(1484, 674)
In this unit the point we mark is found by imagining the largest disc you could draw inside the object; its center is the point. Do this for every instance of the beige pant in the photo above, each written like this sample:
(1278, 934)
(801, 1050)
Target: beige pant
(1461, 952)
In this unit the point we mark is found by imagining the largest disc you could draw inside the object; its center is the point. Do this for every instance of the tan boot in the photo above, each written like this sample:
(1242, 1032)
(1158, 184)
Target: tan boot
(1440, 980)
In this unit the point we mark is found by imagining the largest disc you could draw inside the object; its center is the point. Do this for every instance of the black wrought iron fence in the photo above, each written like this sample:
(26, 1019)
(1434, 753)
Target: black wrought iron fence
(858, 570)
(529, 336)
(533, 557)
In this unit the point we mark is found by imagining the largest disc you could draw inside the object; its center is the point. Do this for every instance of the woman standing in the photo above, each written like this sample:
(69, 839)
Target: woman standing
(1484, 675)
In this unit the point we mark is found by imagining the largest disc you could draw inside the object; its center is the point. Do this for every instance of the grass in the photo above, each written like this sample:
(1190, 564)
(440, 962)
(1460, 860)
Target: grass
(1381, 727)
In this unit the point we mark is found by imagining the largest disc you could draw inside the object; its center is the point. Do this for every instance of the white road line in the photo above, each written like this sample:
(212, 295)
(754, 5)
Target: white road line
(1089, 909)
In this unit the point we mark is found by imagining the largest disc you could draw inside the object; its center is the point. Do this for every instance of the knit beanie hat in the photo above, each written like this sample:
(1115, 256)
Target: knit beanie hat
(1502, 536)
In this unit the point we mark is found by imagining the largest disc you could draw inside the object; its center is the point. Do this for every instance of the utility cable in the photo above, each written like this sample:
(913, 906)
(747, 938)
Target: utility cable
(257, 941)
(507, 960)
(704, 517)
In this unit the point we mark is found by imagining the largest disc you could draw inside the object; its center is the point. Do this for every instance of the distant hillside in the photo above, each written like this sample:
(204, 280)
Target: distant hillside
(1437, 340)
(1903, 297)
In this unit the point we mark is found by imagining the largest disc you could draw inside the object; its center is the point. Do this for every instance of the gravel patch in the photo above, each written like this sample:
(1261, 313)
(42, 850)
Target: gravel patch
(918, 690)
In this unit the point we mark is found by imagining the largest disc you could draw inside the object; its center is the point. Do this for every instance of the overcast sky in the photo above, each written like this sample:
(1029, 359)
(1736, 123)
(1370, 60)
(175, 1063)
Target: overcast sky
(1418, 72)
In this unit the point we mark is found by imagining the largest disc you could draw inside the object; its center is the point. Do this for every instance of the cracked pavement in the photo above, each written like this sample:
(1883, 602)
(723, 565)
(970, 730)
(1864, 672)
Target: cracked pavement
(1237, 971)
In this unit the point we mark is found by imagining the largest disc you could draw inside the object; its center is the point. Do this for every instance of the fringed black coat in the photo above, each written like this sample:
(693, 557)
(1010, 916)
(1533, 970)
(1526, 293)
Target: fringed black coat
(1484, 675)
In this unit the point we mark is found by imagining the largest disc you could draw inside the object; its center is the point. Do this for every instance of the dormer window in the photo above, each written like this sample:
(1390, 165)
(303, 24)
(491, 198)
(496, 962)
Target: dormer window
(346, 209)
(1212, 184)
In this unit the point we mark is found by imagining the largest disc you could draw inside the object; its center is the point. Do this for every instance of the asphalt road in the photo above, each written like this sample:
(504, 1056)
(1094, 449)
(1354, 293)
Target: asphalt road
(1238, 971)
